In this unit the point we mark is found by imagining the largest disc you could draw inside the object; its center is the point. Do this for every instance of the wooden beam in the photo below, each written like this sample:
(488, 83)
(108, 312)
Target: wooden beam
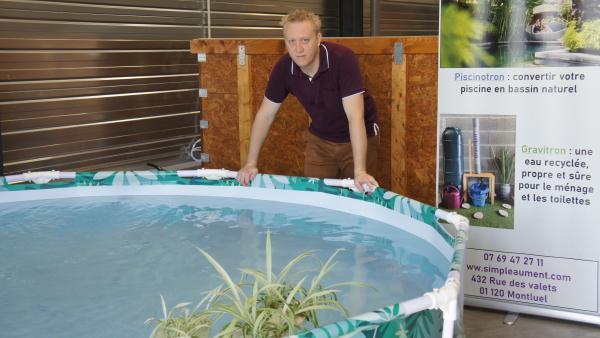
(398, 129)
(230, 46)
(385, 45)
(244, 90)
(363, 45)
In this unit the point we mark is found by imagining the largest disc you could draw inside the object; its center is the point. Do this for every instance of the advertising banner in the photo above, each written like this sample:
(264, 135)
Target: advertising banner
(519, 151)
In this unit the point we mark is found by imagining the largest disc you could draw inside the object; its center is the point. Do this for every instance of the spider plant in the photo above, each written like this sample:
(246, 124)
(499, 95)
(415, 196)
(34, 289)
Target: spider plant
(187, 323)
(276, 306)
(261, 304)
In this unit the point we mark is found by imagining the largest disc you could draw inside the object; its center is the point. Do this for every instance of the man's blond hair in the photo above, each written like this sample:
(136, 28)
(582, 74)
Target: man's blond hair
(301, 15)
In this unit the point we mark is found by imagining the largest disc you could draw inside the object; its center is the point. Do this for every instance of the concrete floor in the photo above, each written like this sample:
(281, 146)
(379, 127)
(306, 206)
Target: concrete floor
(483, 323)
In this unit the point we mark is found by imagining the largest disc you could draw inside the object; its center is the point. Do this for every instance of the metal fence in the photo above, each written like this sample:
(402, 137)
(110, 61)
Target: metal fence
(94, 84)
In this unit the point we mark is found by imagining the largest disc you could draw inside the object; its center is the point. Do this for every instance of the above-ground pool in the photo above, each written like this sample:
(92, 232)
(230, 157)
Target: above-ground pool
(91, 256)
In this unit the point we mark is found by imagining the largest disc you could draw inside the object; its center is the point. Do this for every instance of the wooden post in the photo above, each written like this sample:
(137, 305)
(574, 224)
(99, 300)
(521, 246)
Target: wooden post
(245, 105)
(398, 128)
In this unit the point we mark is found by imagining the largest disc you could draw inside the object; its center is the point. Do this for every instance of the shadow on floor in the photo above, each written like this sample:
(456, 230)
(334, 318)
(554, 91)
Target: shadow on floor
(486, 323)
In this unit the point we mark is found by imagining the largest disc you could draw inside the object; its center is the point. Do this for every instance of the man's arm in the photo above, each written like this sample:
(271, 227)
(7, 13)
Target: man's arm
(354, 107)
(260, 128)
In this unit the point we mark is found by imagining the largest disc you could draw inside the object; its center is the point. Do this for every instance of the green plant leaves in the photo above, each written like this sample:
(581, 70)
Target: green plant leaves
(276, 306)
(459, 32)
(504, 162)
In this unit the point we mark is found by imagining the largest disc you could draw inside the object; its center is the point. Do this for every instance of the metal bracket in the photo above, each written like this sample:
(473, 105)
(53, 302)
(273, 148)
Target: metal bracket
(203, 124)
(398, 53)
(203, 92)
(201, 57)
(241, 55)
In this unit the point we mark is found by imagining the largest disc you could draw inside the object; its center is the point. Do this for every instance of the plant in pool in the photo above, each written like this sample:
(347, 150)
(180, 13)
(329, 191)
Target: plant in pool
(267, 304)
(180, 321)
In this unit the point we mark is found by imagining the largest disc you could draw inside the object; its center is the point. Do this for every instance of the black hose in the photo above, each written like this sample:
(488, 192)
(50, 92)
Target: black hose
(155, 166)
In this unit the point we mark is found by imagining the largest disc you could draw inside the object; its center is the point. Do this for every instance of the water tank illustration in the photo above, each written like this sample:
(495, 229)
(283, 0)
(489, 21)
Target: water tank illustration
(452, 144)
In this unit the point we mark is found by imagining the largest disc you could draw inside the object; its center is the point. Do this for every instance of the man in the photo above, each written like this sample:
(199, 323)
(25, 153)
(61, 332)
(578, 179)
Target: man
(342, 139)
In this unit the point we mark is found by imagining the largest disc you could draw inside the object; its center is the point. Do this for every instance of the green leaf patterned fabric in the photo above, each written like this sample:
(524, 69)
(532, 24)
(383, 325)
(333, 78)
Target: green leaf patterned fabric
(404, 205)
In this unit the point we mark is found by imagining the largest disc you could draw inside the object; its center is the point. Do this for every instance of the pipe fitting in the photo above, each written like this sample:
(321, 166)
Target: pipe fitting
(209, 174)
(446, 297)
(40, 177)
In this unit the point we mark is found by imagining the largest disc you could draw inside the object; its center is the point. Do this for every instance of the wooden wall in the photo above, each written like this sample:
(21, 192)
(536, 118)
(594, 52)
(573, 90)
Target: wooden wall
(405, 93)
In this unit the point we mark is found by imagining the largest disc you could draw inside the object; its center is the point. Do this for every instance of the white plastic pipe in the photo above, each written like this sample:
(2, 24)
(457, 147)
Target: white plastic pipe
(40, 177)
(416, 305)
(446, 299)
(476, 146)
(448, 329)
(346, 183)
(449, 296)
(210, 174)
(460, 222)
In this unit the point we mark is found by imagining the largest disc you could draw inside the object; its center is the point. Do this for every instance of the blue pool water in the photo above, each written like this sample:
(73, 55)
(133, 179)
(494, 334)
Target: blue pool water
(95, 267)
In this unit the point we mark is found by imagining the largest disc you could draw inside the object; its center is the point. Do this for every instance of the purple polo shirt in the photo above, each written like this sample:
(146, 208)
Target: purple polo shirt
(338, 77)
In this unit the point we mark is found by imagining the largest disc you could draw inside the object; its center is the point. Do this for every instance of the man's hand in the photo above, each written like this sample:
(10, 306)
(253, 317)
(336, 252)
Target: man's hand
(247, 173)
(361, 179)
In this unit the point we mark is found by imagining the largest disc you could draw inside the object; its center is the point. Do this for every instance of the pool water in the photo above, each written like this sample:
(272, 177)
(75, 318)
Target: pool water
(95, 267)
(518, 54)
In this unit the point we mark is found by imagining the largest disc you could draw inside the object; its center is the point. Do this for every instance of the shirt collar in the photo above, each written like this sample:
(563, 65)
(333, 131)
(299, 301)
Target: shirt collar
(323, 62)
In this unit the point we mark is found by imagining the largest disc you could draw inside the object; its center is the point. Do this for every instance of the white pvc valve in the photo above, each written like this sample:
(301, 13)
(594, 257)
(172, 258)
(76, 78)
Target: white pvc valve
(40, 177)
(460, 222)
(346, 183)
(446, 297)
(209, 174)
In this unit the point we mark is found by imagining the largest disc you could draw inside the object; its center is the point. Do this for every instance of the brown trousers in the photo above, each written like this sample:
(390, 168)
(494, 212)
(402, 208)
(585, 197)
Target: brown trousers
(326, 159)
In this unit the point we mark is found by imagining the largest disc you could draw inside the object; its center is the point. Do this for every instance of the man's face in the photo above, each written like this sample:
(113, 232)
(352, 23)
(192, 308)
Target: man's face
(302, 43)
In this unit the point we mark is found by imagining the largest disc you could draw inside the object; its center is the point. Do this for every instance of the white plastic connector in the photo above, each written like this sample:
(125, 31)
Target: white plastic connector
(40, 177)
(209, 174)
(460, 222)
(446, 299)
(346, 183)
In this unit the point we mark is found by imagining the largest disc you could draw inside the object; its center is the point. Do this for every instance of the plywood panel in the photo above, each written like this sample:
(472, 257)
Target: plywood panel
(218, 74)
(221, 139)
(376, 73)
(421, 126)
(283, 150)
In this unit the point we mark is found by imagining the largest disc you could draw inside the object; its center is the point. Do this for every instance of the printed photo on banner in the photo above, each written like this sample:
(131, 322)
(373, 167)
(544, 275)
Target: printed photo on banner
(495, 33)
(477, 165)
